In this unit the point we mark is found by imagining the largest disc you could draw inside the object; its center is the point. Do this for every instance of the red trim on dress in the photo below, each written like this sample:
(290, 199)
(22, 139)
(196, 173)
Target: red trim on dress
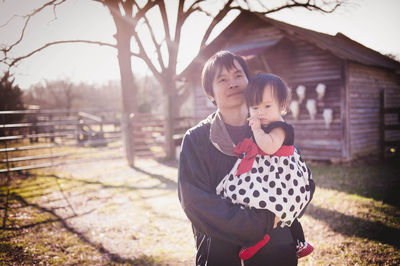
(251, 150)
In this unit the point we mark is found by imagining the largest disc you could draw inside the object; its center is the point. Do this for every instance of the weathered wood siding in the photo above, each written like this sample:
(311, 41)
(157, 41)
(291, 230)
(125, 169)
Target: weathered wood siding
(352, 92)
(301, 63)
(310, 66)
(365, 84)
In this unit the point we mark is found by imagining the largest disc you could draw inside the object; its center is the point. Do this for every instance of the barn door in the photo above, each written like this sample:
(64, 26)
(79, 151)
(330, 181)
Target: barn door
(389, 128)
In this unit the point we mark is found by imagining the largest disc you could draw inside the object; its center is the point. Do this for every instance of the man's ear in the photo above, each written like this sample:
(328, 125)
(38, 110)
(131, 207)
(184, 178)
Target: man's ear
(211, 98)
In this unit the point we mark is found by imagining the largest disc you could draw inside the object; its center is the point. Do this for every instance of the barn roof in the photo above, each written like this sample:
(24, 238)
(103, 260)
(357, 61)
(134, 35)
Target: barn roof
(339, 44)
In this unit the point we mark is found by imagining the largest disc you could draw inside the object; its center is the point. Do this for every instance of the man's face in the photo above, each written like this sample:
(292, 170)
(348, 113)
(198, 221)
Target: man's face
(229, 86)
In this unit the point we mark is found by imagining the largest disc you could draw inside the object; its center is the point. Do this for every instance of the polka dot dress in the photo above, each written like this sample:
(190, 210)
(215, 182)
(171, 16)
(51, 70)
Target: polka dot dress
(276, 183)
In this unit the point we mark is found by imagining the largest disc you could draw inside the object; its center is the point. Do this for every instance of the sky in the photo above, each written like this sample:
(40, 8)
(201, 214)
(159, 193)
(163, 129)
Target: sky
(374, 24)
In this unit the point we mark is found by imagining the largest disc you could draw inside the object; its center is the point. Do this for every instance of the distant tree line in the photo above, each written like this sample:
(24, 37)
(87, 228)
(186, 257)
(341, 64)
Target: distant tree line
(64, 94)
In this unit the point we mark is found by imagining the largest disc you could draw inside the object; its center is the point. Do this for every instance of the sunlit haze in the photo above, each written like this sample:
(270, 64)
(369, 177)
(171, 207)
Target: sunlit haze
(372, 23)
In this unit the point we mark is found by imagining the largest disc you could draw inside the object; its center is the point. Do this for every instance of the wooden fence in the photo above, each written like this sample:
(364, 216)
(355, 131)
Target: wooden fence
(46, 138)
(149, 137)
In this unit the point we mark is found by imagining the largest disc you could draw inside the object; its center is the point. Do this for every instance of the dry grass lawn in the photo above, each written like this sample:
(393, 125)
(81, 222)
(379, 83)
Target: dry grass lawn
(106, 213)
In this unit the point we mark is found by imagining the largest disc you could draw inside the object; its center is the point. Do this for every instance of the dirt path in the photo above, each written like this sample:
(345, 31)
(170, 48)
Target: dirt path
(131, 213)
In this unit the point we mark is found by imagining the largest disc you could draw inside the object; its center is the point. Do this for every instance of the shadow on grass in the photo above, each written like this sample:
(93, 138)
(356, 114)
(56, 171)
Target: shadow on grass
(170, 184)
(17, 254)
(378, 180)
(354, 226)
(165, 183)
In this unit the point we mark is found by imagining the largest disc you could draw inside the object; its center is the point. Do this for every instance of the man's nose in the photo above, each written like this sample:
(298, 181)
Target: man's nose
(233, 83)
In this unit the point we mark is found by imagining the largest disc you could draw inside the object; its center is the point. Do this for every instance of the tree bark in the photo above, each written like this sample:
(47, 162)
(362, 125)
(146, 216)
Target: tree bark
(129, 105)
(171, 113)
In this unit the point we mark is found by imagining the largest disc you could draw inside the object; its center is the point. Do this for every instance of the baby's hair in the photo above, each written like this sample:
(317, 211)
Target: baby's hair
(255, 90)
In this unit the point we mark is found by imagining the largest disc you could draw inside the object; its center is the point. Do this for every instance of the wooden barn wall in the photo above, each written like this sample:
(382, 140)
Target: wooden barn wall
(309, 67)
(301, 63)
(365, 84)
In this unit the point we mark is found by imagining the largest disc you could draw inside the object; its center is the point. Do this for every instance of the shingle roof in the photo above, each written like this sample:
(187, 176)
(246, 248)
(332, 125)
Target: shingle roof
(339, 44)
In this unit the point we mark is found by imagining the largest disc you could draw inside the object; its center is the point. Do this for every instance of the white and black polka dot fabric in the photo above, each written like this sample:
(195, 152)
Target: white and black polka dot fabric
(276, 183)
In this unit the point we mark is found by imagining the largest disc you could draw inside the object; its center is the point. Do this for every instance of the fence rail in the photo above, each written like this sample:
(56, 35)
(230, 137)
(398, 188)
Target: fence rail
(47, 138)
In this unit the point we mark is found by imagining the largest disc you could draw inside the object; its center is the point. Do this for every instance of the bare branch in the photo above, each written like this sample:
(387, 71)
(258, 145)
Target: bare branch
(128, 7)
(153, 38)
(16, 60)
(28, 17)
(309, 4)
(164, 17)
(194, 7)
(149, 5)
(9, 20)
(181, 17)
(222, 13)
(195, 4)
(171, 45)
(142, 54)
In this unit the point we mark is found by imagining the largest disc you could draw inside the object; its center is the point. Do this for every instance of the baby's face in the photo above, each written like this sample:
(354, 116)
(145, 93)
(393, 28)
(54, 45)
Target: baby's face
(268, 110)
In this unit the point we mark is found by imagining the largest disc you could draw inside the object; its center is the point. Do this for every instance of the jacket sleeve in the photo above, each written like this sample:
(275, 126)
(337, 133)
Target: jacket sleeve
(208, 212)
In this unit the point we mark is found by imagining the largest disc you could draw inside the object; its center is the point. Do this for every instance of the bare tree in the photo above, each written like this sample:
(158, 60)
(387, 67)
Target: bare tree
(131, 19)
(54, 94)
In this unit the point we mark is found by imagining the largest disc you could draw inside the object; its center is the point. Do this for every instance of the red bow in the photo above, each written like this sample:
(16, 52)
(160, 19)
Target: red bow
(251, 149)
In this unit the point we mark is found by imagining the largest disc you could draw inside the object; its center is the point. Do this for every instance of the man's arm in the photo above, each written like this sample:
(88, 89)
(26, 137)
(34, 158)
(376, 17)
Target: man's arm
(208, 212)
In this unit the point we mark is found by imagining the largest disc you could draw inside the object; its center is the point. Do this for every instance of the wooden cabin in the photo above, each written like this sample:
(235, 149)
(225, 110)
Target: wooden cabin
(357, 83)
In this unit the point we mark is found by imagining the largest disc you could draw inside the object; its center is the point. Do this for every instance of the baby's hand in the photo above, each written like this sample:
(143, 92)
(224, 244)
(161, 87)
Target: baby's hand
(254, 122)
(277, 220)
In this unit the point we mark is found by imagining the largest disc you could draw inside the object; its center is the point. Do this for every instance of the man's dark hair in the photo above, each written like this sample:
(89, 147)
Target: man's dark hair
(220, 60)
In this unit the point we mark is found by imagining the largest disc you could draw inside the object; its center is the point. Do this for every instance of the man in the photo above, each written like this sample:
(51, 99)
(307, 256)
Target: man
(220, 227)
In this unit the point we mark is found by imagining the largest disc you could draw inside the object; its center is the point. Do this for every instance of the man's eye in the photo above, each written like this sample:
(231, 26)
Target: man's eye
(267, 106)
(221, 80)
(254, 107)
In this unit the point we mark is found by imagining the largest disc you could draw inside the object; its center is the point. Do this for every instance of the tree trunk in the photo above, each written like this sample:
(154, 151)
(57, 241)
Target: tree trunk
(169, 130)
(129, 105)
(171, 114)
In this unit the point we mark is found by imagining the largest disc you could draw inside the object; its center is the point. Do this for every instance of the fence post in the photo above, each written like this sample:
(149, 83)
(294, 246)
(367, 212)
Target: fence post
(7, 163)
(5, 145)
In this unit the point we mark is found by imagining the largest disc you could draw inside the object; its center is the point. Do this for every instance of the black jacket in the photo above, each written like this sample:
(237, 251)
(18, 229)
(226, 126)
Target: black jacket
(220, 227)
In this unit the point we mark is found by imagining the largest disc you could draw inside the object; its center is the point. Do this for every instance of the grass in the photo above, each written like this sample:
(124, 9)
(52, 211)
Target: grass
(106, 213)
(354, 217)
